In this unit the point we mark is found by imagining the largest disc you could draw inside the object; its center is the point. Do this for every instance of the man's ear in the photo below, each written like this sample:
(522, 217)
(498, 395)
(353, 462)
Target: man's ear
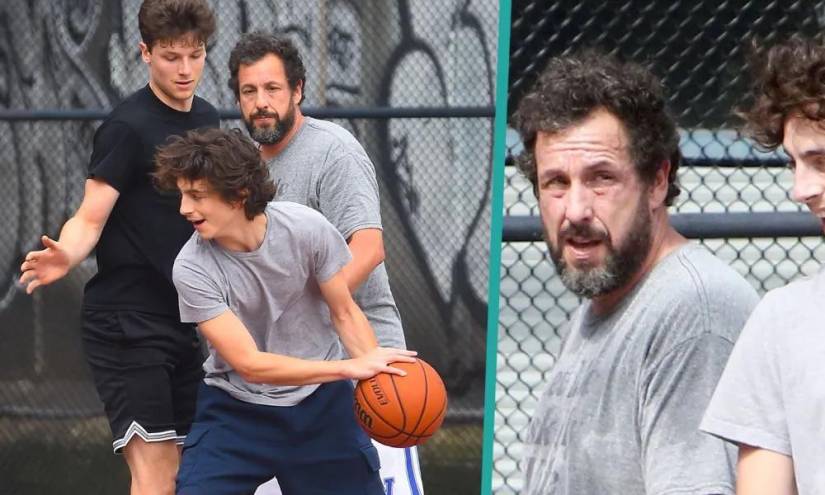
(298, 92)
(244, 196)
(660, 186)
(145, 52)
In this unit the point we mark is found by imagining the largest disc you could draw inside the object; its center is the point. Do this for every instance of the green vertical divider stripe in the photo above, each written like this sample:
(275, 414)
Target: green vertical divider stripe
(497, 201)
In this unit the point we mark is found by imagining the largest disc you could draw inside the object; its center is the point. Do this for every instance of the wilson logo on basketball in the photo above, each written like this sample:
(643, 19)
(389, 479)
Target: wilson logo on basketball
(380, 396)
(363, 416)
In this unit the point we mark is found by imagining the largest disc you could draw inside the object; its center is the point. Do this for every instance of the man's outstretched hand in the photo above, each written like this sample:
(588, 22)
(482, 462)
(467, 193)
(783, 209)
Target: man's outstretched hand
(45, 266)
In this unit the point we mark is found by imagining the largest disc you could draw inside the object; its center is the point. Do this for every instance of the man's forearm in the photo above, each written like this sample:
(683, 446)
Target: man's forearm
(355, 331)
(78, 238)
(277, 369)
(349, 321)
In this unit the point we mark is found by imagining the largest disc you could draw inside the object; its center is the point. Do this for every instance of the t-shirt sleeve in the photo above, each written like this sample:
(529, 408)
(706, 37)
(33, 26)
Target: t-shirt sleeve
(329, 250)
(200, 297)
(115, 147)
(747, 406)
(677, 457)
(348, 194)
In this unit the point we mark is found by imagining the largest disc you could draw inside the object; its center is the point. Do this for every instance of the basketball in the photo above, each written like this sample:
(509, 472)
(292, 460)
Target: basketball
(401, 411)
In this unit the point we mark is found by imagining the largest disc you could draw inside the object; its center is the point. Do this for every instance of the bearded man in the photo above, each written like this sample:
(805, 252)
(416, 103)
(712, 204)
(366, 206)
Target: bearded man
(641, 356)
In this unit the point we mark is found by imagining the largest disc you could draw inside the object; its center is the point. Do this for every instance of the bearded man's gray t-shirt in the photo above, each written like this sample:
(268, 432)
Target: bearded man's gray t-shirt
(324, 167)
(621, 410)
(274, 290)
(772, 392)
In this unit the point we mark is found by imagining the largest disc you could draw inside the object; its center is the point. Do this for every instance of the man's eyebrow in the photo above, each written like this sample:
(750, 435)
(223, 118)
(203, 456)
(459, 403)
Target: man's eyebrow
(271, 82)
(597, 163)
(813, 152)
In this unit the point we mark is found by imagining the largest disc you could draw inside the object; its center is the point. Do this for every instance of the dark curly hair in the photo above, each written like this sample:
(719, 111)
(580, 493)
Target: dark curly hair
(170, 19)
(789, 79)
(227, 160)
(252, 47)
(571, 87)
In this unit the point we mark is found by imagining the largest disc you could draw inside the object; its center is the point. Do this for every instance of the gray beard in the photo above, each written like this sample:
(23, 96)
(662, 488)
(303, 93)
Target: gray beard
(271, 135)
(620, 265)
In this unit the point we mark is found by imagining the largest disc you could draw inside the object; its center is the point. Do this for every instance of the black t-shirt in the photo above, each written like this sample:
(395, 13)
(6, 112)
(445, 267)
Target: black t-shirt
(145, 231)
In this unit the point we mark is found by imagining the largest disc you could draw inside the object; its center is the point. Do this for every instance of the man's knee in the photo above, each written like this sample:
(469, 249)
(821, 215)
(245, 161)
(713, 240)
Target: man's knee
(153, 466)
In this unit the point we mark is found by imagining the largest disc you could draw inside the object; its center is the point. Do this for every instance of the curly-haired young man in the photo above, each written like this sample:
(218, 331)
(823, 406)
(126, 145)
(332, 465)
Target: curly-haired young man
(145, 363)
(263, 280)
(770, 399)
(641, 356)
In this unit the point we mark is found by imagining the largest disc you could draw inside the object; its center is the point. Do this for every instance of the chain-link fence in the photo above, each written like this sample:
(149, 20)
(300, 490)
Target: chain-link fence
(412, 79)
(734, 200)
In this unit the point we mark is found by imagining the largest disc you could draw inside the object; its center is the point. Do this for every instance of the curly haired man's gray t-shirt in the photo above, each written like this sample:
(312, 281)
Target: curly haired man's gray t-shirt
(621, 411)
(772, 392)
(273, 290)
(325, 168)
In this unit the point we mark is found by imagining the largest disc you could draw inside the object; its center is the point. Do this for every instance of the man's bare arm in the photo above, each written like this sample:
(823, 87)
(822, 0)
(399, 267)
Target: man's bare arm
(230, 337)
(78, 237)
(352, 326)
(764, 472)
(367, 248)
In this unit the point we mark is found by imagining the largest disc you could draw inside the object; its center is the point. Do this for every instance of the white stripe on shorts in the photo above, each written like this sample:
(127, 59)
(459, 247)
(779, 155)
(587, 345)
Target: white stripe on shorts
(136, 429)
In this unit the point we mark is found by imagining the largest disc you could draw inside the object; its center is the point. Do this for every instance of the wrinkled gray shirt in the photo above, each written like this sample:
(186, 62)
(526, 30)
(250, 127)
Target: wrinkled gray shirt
(325, 168)
(274, 290)
(621, 411)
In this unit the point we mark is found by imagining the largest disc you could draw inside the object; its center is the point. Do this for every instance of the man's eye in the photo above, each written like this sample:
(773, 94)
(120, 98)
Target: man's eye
(553, 182)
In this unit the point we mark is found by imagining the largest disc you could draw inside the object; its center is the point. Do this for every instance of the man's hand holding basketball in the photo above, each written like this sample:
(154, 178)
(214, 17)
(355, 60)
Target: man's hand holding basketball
(45, 266)
(377, 361)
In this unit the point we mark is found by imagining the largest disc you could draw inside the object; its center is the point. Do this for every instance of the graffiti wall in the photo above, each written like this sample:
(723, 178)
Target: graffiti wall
(434, 173)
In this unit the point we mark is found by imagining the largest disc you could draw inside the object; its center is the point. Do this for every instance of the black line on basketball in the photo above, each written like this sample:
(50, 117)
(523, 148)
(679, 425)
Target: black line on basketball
(374, 411)
(440, 415)
(426, 396)
(411, 432)
(401, 404)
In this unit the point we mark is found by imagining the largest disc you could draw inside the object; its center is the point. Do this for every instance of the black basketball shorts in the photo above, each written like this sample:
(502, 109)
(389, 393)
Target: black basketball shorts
(147, 369)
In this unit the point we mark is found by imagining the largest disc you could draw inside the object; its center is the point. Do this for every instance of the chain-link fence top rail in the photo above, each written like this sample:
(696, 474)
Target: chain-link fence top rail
(698, 49)
(433, 173)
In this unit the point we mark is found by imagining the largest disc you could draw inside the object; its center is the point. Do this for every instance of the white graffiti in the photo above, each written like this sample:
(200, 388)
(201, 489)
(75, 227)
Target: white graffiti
(434, 173)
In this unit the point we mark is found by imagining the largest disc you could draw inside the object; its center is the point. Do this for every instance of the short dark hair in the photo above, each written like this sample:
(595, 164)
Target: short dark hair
(572, 87)
(227, 160)
(170, 19)
(789, 79)
(252, 47)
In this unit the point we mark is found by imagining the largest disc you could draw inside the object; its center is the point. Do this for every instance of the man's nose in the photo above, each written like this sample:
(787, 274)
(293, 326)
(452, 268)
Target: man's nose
(185, 205)
(184, 66)
(579, 204)
(807, 183)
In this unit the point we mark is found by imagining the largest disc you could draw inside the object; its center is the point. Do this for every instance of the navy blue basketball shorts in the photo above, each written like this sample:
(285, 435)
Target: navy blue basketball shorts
(147, 369)
(314, 447)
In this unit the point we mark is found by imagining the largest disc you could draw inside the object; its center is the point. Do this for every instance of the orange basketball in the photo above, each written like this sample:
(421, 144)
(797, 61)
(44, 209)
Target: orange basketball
(402, 411)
